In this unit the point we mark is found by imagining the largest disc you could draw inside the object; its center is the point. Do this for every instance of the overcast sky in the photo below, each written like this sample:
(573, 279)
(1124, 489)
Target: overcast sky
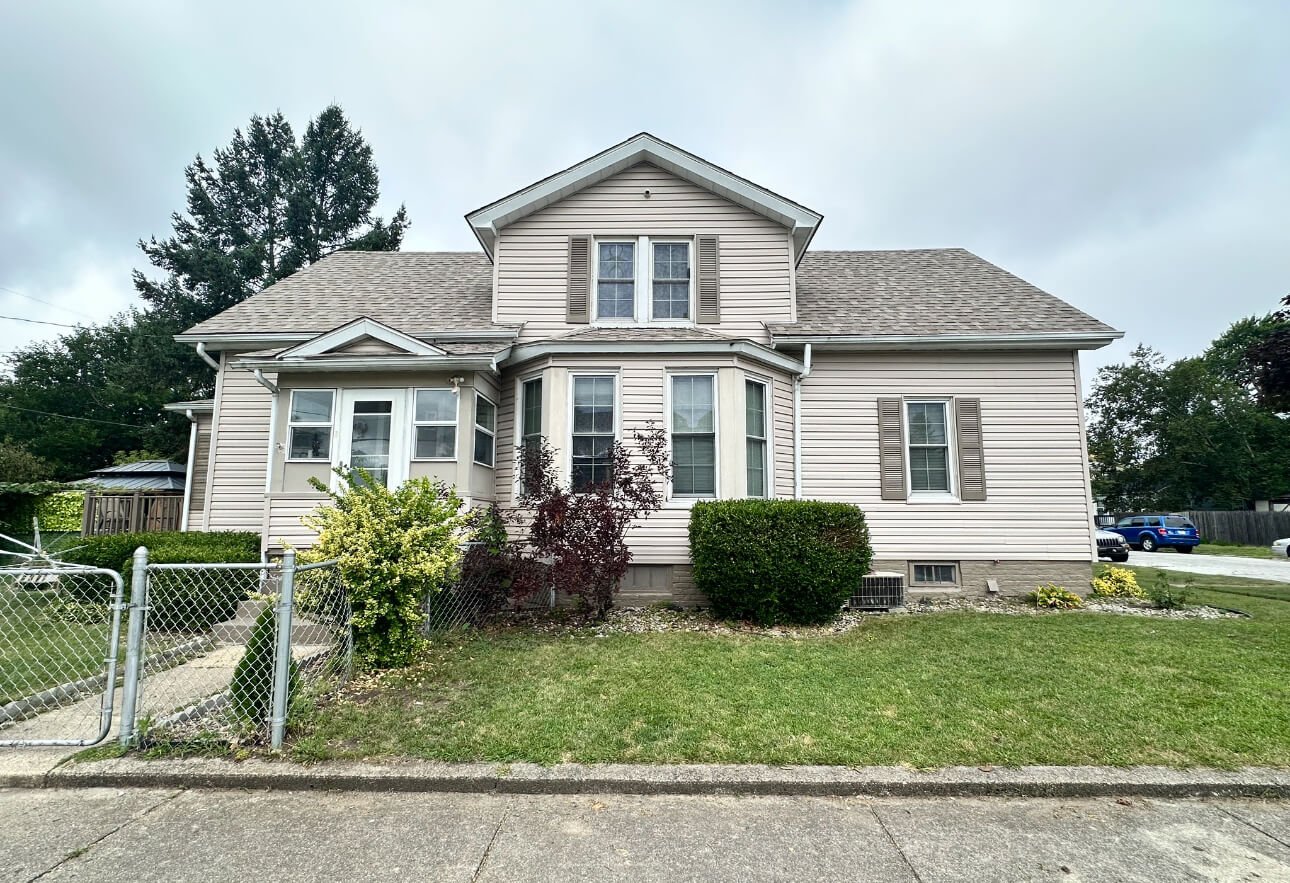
(1131, 158)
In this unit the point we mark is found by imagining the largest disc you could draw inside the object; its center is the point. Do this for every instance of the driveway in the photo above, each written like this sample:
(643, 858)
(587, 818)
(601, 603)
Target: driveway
(172, 836)
(1215, 565)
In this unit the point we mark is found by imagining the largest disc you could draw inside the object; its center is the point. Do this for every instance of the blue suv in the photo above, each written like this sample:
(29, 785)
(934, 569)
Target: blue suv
(1152, 532)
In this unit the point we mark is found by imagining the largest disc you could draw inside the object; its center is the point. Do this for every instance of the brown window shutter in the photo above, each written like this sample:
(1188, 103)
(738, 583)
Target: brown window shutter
(967, 422)
(708, 309)
(891, 449)
(578, 302)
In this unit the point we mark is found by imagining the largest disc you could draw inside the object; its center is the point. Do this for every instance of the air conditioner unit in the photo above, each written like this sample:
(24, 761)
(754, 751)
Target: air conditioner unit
(879, 591)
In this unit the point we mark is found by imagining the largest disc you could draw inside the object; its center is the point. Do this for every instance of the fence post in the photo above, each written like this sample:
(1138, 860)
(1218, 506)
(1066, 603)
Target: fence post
(134, 644)
(282, 659)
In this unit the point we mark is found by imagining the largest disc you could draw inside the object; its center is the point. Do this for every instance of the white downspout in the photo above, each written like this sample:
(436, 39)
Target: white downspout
(797, 420)
(188, 473)
(206, 357)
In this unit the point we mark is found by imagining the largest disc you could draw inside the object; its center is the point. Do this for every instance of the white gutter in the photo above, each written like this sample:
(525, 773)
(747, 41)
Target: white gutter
(264, 381)
(188, 473)
(370, 363)
(797, 421)
(201, 351)
(1064, 340)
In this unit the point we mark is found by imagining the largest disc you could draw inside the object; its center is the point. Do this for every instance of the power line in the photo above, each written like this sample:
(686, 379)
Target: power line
(37, 321)
(70, 417)
(47, 303)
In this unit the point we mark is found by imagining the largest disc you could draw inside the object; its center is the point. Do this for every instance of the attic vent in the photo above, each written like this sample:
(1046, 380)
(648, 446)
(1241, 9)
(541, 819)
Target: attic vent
(879, 591)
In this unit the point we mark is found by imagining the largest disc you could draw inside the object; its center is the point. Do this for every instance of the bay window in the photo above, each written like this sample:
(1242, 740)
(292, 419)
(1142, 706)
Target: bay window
(594, 431)
(694, 435)
(755, 432)
(485, 430)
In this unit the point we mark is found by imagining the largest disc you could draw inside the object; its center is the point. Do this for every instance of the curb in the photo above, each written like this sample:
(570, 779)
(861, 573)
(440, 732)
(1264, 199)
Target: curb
(526, 778)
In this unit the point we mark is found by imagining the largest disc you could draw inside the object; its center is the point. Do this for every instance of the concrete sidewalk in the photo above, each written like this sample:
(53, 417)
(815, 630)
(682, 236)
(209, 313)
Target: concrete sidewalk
(51, 769)
(149, 835)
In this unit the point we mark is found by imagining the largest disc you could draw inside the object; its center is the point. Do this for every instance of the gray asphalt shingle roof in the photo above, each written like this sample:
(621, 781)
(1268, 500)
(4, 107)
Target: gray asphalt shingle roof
(415, 292)
(942, 291)
(928, 291)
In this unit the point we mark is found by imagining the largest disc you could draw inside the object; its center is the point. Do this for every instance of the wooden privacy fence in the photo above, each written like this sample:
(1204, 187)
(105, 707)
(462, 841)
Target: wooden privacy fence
(131, 513)
(1249, 528)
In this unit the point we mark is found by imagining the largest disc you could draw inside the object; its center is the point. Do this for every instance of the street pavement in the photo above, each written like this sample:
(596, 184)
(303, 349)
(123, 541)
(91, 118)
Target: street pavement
(210, 835)
(1274, 569)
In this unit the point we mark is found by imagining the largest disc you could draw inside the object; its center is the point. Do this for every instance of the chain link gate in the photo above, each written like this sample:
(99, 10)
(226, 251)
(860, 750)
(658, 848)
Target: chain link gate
(60, 630)
(211, 651)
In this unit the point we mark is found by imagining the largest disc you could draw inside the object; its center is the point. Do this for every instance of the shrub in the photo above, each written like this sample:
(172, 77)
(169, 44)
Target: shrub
(771, 561)
(179, 601)
(579, 540)
(1165, 595)
(250, 692)
(1054, 597)
(395, 548)
(1117, 582)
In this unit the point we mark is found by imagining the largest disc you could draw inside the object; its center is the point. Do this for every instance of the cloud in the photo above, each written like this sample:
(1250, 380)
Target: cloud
(1127, 157)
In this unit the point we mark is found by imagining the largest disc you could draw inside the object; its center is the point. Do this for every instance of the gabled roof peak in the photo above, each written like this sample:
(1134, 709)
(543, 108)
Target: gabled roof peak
(644, 148)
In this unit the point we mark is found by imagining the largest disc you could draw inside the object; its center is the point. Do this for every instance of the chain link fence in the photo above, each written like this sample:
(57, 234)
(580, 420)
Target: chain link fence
(59, 640)
(226, 651)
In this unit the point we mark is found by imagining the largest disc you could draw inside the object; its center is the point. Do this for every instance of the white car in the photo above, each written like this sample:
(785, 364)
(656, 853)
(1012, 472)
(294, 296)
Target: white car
(1281, 548)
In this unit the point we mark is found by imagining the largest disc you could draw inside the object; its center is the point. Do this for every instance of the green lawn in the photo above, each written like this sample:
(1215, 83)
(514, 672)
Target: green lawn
(932, 690)
(38, 650)
(1241, 551)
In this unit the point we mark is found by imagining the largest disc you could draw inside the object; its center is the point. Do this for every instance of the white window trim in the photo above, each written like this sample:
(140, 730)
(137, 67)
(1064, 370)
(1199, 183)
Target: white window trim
(642, 281)
(618, 414)
(768, 438)
(492, 433)
(333, 425)
(958, 580)
(518, 441)
(685, 501)
(455, 423)
(950, 496)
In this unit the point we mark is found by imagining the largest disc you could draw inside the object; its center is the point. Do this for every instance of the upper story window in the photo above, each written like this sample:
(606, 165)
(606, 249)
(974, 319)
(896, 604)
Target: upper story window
(309, 424)
(643, 279)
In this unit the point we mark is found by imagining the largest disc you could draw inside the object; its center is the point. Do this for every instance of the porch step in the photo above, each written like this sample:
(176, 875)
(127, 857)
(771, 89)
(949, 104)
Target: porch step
(238, 629)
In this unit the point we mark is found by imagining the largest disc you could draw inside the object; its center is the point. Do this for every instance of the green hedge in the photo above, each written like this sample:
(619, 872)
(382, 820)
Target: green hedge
(179, 601)
(778, 561)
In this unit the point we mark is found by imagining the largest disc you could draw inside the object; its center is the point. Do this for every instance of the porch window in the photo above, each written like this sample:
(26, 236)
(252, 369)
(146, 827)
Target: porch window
(309, 424)
(485, 430)
(694, 436)
(929, 447)
(434, 420)
(593, 431)
(755, 423)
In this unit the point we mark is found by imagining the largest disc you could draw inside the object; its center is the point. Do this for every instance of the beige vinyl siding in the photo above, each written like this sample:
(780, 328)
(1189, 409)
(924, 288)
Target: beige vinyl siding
(532, 253)
(284, 512)
(783, 439)
(240, 445)
(1037, 505)
(199, 469)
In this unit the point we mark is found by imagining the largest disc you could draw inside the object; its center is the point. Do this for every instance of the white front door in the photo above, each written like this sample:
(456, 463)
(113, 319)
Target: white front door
(371, 433)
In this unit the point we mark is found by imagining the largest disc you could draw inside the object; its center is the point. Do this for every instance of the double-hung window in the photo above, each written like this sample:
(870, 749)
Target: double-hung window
(929, 446)
(309, 424)
(434, 420)
(755, 431)
(485, 430)
(642, 279)
(593, 431)
(694, 435)
(530, 422)
(616, 280)
(670, 281)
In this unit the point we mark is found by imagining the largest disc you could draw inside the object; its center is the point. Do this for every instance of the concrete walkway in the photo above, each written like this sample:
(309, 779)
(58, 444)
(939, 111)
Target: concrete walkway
(1275, 570)
(165, 835)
